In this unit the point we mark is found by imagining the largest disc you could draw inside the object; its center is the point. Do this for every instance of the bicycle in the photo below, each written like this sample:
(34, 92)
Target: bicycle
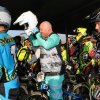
(94, 91)
(75, 86)
(40, 94)
(75, 90)
(31, 88)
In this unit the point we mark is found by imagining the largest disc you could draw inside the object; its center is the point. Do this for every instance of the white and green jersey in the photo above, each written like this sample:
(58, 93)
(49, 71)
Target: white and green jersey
(50, 59)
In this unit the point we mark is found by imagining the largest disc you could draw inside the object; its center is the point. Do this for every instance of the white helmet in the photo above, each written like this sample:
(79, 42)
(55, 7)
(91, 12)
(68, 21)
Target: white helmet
(5, 17)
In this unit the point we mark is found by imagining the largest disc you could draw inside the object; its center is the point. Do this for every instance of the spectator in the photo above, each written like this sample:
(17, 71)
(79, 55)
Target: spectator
(9, 81)
(50, 56)
(95, 18)
(51, 63)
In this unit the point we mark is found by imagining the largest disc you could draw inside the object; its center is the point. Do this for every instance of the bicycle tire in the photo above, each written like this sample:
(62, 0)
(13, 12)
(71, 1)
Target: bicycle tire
(94, 79)
(91, 93)
(81, 90)
(37, 96)
(22, 93)
(67, 91)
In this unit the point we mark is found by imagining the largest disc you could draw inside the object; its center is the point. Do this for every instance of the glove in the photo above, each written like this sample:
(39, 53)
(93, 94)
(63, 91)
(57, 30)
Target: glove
(40, 76)
(27, 18)
(37, 53)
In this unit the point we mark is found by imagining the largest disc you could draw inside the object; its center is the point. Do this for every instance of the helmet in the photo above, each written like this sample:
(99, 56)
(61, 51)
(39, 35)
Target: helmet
(95, 16)
(23, 53)
(5, 17)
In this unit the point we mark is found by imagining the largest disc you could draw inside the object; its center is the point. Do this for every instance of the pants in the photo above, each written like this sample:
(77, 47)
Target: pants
(11, 85)
(55, 86)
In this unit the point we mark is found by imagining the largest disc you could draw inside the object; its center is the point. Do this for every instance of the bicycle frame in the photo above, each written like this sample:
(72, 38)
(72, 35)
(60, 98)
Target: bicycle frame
(72, 95)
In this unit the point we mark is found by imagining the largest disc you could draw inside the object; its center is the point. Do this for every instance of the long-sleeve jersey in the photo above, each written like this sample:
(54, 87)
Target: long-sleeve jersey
(49, 57)
(7, 58)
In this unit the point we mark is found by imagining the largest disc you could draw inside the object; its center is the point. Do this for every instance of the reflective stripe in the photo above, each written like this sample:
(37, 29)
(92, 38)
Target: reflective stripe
(6, 73)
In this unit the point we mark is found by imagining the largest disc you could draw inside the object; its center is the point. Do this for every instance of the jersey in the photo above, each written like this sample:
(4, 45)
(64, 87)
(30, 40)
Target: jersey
(50, 59)
(7, 58)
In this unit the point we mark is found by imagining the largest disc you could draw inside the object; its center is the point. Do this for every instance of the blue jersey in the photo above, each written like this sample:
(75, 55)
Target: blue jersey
(7, 58)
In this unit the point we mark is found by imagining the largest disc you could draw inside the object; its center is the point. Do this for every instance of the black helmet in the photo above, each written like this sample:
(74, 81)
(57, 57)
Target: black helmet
(95, 16)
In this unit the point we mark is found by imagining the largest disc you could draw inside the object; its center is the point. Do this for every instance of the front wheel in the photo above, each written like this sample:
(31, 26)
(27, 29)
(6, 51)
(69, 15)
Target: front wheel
(81, 92)
(23, 93)
(37, 96)
(91, 93)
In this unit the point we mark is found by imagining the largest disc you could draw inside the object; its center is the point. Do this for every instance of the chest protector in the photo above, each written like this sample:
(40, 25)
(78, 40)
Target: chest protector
(51, 60)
